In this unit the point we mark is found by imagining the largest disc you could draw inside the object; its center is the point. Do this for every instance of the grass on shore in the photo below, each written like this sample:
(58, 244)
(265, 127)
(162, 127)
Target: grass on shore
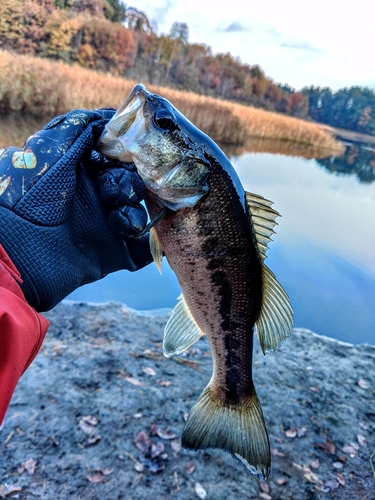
(39, 86)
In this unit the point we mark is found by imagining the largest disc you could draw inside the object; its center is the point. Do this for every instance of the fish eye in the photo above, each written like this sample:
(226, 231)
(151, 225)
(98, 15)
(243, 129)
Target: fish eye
(164, 120)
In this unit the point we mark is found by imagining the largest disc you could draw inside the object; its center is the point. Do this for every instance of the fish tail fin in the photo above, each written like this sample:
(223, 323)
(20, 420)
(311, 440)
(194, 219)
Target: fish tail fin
(238, 428)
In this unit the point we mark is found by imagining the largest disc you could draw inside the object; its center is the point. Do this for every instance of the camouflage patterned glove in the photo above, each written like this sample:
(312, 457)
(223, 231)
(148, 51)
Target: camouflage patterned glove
(66, 211)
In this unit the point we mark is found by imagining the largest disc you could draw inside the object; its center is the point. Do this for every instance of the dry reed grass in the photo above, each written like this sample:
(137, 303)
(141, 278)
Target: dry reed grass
(43, 87)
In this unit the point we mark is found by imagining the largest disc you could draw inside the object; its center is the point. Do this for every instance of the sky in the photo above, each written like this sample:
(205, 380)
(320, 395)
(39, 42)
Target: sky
(327, 43)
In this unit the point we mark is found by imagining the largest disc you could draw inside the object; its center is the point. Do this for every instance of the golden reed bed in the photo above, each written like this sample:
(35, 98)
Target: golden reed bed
(39, 86)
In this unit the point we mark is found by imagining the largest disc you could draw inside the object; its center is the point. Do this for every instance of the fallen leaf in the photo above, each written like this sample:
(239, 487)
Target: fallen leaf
(362, 440)
(362, 383)
(29, 466)
(176, 445)
(164, 383)
(87, 424)
(340, 479)
(190, 467)
(328, 447)
(107, 471)
(309, 475)
(351, 449)
(157, 449)
(133, 380)
(265, 496)
(301, 431)
(276, 453)
(138, 415)
(96, 477)
(337, 465)
(281, 481)
(149, 371)
(264, 486)
(315, 464)
(153, 429)
(291, 433)
(94, 439)
(89, 419)
(138, 467)
(200, 491)
(9, 489)
(143, 442)
(165, 433)
(332, 484)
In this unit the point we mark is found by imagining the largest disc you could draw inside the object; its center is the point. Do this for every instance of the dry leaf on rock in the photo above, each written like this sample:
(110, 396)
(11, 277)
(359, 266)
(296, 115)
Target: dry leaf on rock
(143, 442)
(315, 464)
(9, 489)
(176, 445)
(264, 486)
(328, 447)
(149, 371)
(157, 449)
(165, 433)
(276, 453)
(291, 433)
(362, 383)
(190, 467)
(94, 439)
(362, 440)
(88, 424)
(200, 491)
(29, 466)
(164, 383)
(340, 479)
(332, 485)
(265, 496)
(281, 481)
(351, 449)
(96, 477)
(133, 380)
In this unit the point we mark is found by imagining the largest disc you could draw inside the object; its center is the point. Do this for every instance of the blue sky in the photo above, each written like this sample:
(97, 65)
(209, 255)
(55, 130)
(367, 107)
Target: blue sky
(325, 43)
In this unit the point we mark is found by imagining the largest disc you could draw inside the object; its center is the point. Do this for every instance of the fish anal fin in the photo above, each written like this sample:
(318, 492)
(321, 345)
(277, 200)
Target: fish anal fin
(181, 330)
(238, 428)
(262, 220)
(275, 322)
(156, 249)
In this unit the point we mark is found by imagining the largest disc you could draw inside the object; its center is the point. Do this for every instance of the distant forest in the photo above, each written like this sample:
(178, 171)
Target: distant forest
(107, 36)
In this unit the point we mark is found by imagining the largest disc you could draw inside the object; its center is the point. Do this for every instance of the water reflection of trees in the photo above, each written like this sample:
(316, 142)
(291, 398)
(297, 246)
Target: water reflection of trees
(358, 159)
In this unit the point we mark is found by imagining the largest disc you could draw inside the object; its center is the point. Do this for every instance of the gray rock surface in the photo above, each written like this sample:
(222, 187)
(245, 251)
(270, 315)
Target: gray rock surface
(100, 412)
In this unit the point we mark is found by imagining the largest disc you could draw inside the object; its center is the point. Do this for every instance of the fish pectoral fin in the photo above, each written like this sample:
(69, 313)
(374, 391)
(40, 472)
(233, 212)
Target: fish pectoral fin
(275, 322)
(156, 249)
(262, 220)
(181, 330)
(238, 428)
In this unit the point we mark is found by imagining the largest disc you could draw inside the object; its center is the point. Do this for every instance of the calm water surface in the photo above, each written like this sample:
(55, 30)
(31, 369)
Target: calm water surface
(323, 251)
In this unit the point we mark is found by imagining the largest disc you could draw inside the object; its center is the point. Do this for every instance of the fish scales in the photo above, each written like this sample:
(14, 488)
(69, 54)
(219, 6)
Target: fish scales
(211, 250)
(215, 237)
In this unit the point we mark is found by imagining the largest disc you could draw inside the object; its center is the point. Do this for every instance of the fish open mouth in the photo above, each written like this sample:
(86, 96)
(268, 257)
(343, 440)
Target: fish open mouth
(108, 143)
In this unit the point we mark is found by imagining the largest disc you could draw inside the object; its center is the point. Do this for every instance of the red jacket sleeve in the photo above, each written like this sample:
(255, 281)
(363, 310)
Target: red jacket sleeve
(22, 331)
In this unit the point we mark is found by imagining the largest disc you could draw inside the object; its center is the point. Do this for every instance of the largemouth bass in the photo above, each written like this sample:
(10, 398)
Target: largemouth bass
(214, 236)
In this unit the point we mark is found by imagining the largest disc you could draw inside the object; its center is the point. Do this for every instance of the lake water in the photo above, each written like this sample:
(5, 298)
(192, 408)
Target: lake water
(323, 251)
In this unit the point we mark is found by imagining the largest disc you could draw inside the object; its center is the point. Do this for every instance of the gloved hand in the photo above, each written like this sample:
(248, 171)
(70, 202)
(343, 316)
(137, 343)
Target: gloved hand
(66, 212)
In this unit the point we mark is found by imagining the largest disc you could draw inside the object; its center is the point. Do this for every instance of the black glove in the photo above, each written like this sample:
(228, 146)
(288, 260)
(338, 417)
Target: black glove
(66, 212)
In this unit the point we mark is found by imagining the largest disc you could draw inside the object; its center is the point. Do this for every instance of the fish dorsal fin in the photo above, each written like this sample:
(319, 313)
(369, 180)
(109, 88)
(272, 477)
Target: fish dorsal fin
(181, 330)
(156, 249)
(262, 218)
(275, 322)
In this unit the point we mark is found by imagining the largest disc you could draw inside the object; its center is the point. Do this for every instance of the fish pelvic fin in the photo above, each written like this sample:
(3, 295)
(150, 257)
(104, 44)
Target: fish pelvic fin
(181, 330)
(275, 322)
(156, 249)
(236, 428)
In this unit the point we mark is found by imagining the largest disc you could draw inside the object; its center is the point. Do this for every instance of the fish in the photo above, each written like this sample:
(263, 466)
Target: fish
(215, 236)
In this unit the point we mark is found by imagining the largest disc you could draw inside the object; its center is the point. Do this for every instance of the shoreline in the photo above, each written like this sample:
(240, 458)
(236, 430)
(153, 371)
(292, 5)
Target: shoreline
(104, 364)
